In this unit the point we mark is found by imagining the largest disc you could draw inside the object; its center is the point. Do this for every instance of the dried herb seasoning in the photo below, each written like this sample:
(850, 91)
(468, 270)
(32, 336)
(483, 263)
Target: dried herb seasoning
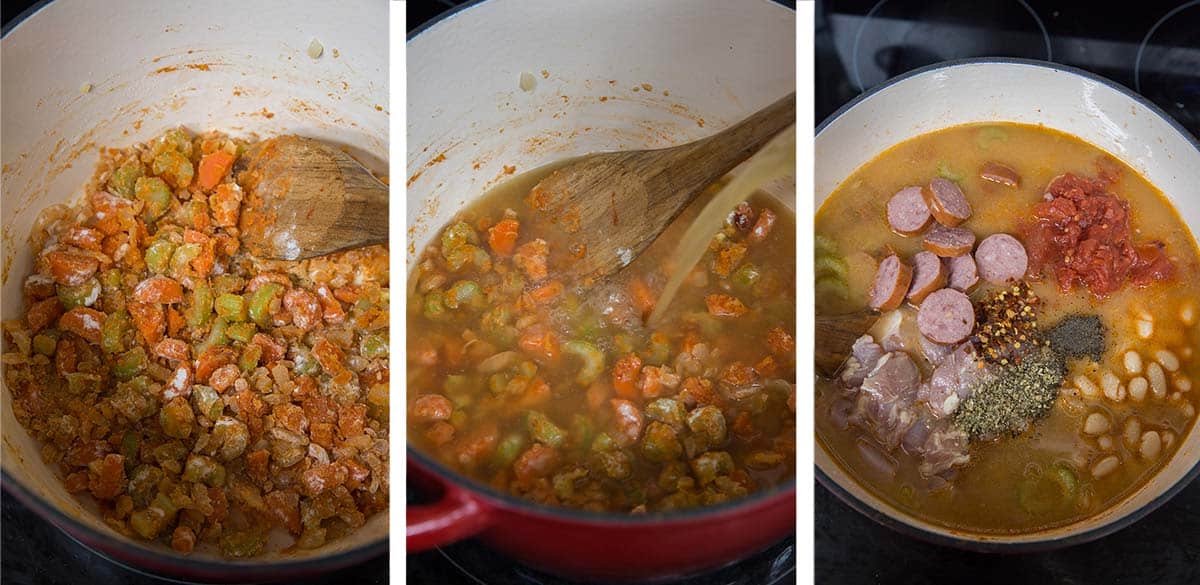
(1018, 395)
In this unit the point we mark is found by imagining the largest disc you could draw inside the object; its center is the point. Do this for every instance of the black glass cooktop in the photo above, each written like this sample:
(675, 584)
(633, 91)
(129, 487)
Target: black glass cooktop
(1150, 46)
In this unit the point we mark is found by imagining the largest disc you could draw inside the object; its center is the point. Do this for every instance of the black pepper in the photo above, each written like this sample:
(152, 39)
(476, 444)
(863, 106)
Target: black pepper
(1078, 336)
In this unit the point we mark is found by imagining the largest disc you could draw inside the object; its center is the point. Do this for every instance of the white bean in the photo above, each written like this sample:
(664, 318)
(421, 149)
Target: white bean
(1151, 445)
(1168, 439)
(1105, 443)
(1105, 466)
(1113, 390)
(1145, 329)
(1133, 432)
(1086, 386)
(1133, 362)
(1187, 313)
(1168, 359)
(1189, 410)
(1096, 423)
(1183, 382)
(1158, 380)
(1137, 388)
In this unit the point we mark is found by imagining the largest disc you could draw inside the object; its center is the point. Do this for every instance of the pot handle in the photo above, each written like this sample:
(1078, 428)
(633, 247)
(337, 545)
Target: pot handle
(454, 516)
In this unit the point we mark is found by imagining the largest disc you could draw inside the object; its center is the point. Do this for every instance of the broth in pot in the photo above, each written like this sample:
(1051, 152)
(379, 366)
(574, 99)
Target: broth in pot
(1034, 359)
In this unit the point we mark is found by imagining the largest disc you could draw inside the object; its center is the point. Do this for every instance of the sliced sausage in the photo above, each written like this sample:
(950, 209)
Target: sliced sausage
(891, 284)
(998, 173)
(948, 242)
(964, 275)
(946, 201)
(1001, 258)
(946, 317)
(907, 212)
(928, 275)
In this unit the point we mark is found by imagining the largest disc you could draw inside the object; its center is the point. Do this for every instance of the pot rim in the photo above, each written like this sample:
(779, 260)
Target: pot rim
(124, 549)
(900, 524)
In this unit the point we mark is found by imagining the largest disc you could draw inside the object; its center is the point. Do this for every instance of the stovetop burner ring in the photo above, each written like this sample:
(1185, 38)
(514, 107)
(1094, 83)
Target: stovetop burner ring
(856, 64)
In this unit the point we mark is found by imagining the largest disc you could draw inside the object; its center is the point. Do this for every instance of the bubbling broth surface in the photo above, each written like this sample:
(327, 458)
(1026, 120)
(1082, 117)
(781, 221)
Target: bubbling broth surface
(1061, 469)
(566, 397)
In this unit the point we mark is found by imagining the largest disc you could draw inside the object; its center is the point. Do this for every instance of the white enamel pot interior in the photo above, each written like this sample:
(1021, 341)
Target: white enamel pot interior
(1032, 92)
(610, 75)
(239, 67)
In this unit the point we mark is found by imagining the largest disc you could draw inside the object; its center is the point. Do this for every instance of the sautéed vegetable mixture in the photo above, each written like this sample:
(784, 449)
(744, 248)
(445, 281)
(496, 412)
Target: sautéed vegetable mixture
(196, 394)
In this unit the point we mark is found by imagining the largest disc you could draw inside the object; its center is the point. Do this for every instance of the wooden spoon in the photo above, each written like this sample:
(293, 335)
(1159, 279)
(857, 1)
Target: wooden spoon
(305, 198)
(614, 204)
(835, 335)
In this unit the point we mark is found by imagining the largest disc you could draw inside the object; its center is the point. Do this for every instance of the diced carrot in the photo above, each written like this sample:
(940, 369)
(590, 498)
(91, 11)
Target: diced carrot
(625, 375)
(266, 277)
(651, 384)
(173, 349)
(542, 345)
(537, 392)
(724, 306)
(69, 268)
(65, 356)
(598, 395)
(83, 237)
(352, 420)
(329, 356)
(256, 464)
(780, 342)
(643, 297)
(149, 320)
(743, 426)
(272, 349)
(213, 168)
(213, 358)
(175, 322)
(322, 433)
(158, 289)
(502, 237)
(43, 313)
(333, 311)
(285, 507)
(83, 322)
(531, 258)
(349, 293)
(546, 293)
(767, 367)
(207, 259)
(225, 204)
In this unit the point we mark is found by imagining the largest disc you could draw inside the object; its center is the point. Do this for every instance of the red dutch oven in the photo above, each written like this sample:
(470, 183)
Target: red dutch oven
(592, 546)
(506, 85)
